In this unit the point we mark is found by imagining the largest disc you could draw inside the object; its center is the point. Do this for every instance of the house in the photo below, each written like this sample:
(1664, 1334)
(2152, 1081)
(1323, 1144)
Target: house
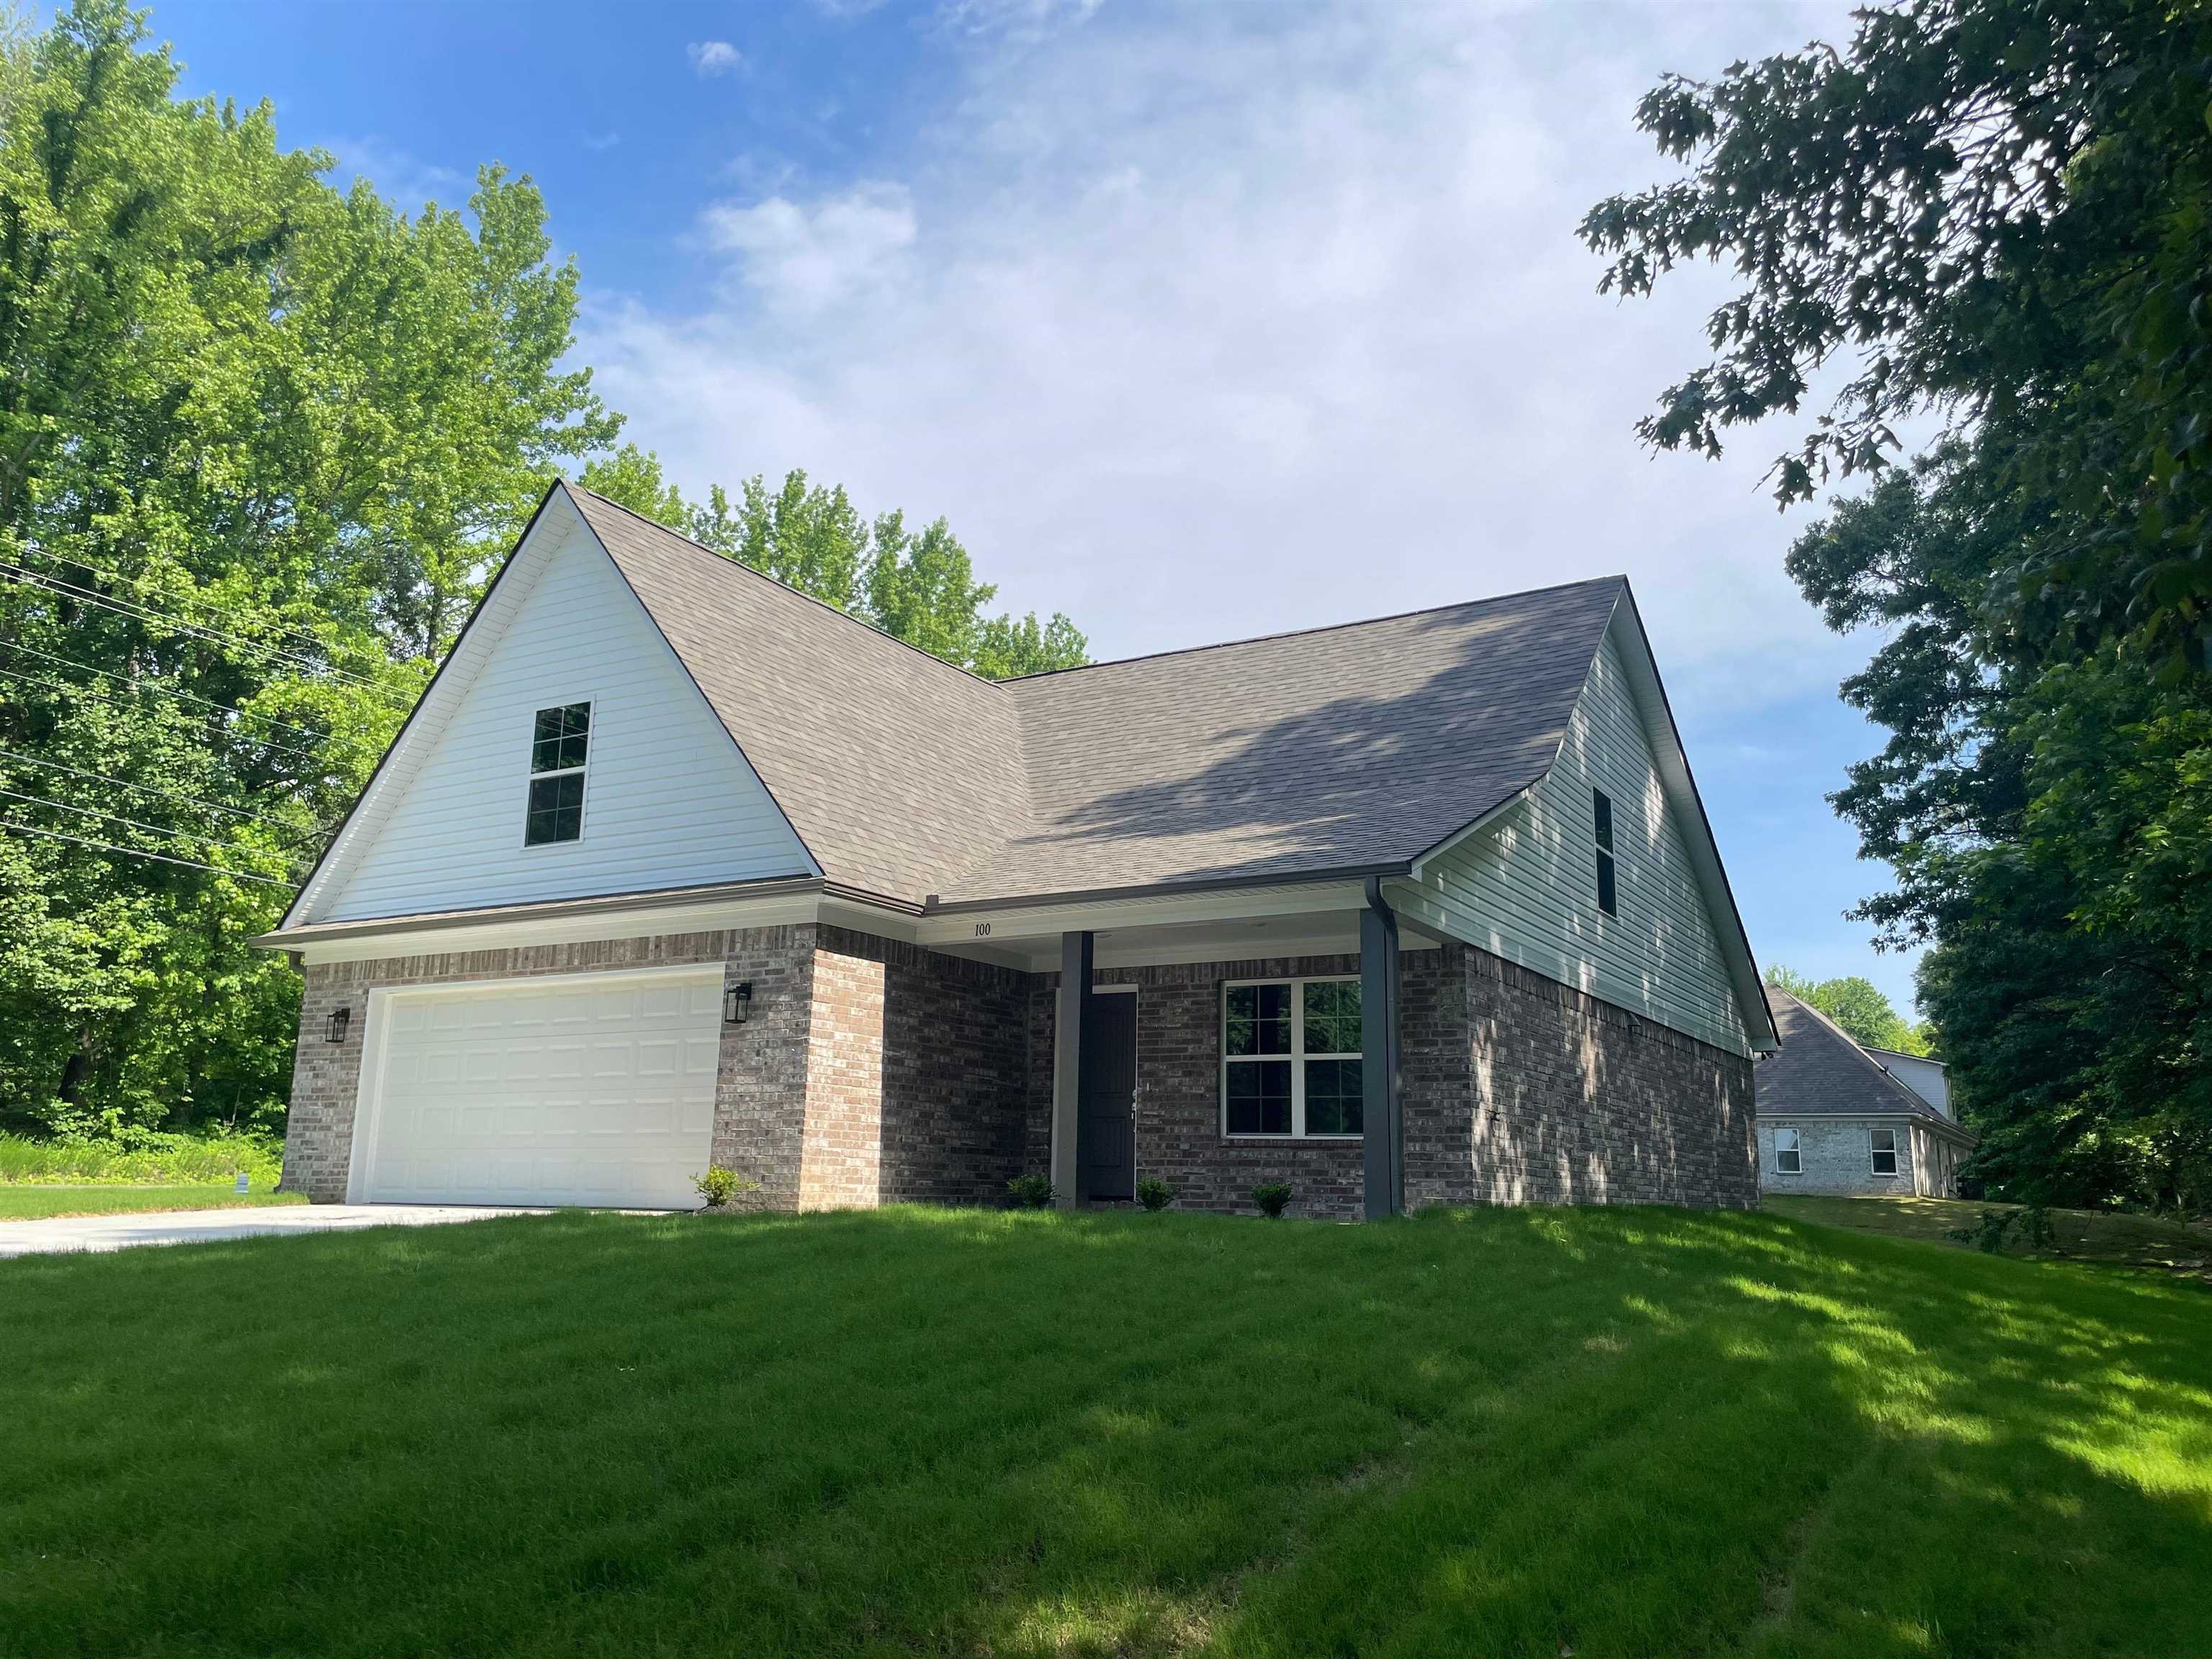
(1836, 1116)
(673, 863)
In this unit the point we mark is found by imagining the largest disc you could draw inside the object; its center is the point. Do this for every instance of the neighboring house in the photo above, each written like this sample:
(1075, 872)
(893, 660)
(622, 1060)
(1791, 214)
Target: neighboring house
(1836, 1116)
(674, 863)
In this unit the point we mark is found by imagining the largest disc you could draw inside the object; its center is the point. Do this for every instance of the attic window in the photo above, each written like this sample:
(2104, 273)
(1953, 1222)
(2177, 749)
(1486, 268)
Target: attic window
(560, 742)
(1602, 813)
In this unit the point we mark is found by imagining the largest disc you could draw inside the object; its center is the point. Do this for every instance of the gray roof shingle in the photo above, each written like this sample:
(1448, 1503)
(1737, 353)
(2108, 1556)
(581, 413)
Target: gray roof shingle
(1821, 1071)
(1351, 747)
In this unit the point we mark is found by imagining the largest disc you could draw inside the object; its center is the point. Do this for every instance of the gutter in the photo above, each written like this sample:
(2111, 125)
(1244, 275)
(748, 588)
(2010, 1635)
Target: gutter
(286, 938)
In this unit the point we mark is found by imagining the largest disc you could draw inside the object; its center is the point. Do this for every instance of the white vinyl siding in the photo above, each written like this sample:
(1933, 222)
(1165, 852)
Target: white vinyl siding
(1526, 886)
(673, 803)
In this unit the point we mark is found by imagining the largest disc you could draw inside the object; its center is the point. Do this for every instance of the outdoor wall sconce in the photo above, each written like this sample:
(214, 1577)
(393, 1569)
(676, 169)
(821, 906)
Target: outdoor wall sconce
(335, 1030)
(738, 1002)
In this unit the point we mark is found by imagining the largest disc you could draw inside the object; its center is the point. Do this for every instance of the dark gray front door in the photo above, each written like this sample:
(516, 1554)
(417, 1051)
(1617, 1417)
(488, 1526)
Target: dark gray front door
(1106, 1128)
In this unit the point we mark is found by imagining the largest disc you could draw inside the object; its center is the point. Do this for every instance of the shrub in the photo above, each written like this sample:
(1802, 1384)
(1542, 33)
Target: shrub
(719, 1185)
(1154, 1193)
(1030, 1192)
(1987, 1233)
(152, 1160)
(1272, 1197)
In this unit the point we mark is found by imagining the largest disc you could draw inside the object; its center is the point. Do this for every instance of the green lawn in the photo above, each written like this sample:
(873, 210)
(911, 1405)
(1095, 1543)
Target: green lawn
(28, 1202)
(1510, 1432)
(2134, 1241)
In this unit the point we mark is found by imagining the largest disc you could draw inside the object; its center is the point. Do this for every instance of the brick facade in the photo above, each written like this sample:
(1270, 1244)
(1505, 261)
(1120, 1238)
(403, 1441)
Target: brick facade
(873, 1072)
(1838, 1157)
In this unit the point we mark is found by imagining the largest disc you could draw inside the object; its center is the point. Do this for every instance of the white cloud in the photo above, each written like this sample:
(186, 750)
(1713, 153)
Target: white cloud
(710, 57)
(1228, 319)
(828, 252)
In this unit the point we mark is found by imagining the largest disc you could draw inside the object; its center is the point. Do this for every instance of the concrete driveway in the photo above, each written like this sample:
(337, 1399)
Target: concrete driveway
(60, 1234)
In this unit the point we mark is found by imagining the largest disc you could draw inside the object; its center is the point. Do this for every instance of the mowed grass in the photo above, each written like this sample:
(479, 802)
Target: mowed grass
(2107, 1236)
(32, 1203)
(1503, 1432)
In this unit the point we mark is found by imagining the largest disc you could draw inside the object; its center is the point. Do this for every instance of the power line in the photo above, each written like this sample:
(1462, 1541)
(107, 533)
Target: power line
(136, 853)
(143, 789)
(142, 586)
(137, 684)
(89, 813)
(101, 696)
(40, 582)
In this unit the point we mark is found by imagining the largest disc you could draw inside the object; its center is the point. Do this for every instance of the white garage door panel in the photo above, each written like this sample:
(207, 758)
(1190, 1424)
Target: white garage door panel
(546, 1091)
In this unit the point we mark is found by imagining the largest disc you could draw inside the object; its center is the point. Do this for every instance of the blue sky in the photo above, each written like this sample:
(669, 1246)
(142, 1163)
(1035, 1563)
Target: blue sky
(1196, 322)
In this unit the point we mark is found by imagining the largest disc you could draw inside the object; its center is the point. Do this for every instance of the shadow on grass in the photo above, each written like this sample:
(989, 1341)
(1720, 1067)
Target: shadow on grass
(1503, 1432)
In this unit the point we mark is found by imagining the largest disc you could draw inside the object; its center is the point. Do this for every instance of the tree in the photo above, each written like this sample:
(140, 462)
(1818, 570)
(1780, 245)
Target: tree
(1997, 211)
(258, 442)
(916, 586)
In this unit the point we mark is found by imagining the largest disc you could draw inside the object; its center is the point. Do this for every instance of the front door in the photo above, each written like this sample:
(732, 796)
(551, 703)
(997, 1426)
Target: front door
(1105, 1116)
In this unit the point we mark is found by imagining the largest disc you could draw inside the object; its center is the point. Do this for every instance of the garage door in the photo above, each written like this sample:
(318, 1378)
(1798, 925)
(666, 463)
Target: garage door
(595, 1090)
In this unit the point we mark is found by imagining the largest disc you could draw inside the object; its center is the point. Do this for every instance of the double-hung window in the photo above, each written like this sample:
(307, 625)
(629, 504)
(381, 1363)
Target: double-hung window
(1882, 1146)
(560, 746)
(1289, 1057)
(1788, 1157)
(1602, 826)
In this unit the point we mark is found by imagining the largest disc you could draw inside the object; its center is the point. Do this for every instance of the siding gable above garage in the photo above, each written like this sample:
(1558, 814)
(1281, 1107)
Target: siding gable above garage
(670, 800)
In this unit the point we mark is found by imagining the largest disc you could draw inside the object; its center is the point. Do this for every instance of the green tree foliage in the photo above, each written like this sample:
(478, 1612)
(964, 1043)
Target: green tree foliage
(1999, 213)
(917, 585)
(1857, 1005)
(258, 442)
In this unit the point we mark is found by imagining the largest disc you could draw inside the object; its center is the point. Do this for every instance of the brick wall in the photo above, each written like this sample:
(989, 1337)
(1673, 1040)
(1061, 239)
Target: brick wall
(1837, 1158)
(842, 1167)
(1577, 1102)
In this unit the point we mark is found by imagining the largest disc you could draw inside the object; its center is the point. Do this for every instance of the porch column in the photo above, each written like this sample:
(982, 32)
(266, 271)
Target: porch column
(1069, 1016)
(1382, 1127)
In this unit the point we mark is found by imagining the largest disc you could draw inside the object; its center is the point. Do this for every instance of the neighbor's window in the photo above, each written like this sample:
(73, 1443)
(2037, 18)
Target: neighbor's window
(1289, 1057)
(559, 743)
(1788, 1159)
(1601, 813)
(1883, 1143)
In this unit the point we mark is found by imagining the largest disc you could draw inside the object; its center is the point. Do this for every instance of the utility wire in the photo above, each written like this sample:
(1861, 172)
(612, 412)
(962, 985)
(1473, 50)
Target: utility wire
(89, 813)
(102, 696)
(135, 852)
(144, 586)
(40, 582)
(137, 684)
(145, 789)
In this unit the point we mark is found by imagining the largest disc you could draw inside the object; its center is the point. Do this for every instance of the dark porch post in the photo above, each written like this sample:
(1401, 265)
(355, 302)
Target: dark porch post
(1383, 1131)
(1069, 1016)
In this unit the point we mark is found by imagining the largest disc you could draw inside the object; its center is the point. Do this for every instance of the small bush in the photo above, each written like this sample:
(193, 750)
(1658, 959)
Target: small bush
(1272, 1197)
(719, 1185)
(1154, 1193)
(1030, 1192)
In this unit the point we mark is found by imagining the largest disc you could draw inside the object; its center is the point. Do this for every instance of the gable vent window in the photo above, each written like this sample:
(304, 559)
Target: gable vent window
(1602, 810)
(560, 743)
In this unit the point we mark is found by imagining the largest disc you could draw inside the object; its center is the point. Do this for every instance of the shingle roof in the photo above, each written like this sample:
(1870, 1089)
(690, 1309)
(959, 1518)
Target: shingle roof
(1820, 1072)
(1352, 747)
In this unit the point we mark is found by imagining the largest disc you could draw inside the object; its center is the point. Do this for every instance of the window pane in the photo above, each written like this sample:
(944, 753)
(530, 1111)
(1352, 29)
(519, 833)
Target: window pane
(1602, 805)
(1272, 1029)
(1240, 1009)
(1605, 892)
(556, 810)
(1332, 1012)
(560, 738)
(1260, 1098)
(1333, 1098)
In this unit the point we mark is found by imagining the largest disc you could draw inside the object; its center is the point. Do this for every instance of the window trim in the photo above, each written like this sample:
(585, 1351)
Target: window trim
(590, 703)
(1603, 840)
(1796, 1148)
(1874, 1152)
(1297, 1056)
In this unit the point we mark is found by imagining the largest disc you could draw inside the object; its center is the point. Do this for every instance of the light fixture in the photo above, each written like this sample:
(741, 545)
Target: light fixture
(737, 1002)
(335, 1030)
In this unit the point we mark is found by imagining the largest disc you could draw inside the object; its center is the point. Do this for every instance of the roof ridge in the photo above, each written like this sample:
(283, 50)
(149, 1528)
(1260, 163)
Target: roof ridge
(777, 581)
(1321, 628)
